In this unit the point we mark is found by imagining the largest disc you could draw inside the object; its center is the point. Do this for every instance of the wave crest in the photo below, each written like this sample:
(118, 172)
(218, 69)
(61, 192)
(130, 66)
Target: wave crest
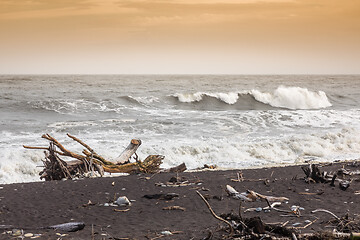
(283, 97)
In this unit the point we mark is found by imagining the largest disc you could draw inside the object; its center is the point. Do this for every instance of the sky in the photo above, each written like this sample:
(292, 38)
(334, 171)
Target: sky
(180, 37)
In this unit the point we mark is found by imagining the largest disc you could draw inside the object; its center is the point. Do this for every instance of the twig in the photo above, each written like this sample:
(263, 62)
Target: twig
(307, 224)
(293, 236)
(240, 211)
(214, 214)
(119, 210)
(327, 211)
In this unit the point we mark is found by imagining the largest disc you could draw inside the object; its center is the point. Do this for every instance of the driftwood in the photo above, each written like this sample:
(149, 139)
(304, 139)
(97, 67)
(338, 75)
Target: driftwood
(314, 174)
(89, 163)
(251, 196)
(125, 156)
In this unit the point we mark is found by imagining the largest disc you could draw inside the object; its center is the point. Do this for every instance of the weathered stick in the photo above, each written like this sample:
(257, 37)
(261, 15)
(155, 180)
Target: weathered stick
(214, 214)
(327, 211)
(128, 152)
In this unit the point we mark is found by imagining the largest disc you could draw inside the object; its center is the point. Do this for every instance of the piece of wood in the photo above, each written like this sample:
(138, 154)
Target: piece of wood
(214, 214)
(125, 156)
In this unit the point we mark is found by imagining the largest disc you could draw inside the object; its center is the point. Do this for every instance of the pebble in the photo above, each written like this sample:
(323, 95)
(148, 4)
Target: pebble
(106, 204)
(28, 235)
(123, 189)
(259, 209)
(113, 183)
(296, 224)
(307, 221)
(123, 201)
(166, 233)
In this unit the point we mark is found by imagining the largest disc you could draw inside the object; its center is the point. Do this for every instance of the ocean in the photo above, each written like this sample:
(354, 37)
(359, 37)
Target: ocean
(233, 121)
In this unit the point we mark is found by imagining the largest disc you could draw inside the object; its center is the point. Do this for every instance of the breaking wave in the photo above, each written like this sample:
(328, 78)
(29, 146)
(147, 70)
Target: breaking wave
(283, 97)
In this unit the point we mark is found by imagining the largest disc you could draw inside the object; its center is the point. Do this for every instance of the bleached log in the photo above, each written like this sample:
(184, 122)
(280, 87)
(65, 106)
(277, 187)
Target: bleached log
(125, 156)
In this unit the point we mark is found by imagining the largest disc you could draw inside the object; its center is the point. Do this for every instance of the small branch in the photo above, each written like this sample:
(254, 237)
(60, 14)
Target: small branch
(327, 211)
(214, 214)
(307, 224)
(81, 142)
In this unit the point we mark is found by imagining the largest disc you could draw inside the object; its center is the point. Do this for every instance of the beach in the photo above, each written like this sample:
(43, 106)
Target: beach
(264, 126)
(32, 206)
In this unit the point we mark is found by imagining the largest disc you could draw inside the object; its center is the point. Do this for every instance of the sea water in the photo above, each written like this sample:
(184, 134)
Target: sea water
(231, 121)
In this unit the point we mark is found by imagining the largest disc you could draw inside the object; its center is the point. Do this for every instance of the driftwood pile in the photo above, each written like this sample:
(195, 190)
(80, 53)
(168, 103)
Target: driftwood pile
(315, 175)
(91, 164)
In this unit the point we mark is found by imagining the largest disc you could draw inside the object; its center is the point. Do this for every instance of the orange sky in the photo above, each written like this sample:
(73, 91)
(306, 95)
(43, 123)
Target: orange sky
(180, 36)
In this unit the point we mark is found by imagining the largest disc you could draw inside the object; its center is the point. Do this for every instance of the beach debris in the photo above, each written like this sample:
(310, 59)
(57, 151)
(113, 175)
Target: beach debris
(166, 233)
(68, 227)
(4, 227)
(214, 214)
(252, 196)
(177, 181)
(121, 210)
(174, 208)
(61, 234)
(89, 203)
(123, 201)
(91, 164)
(313, 174)
(344, 185)
(161, 196)
(17, 232)
(326, 211)
(28, 235)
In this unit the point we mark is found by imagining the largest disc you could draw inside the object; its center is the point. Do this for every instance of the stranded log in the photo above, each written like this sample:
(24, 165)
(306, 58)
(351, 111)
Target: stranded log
(125, 156)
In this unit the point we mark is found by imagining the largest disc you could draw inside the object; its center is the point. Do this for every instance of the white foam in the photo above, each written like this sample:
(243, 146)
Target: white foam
(293, 98)
(229, 98)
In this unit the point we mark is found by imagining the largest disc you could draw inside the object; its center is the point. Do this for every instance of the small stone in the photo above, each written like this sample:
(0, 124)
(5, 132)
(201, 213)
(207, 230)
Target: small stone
(123, 189)
(259, 209)
(123, 201)
(28, 235)
(307, 221)
(166, 233)
(113, 183)
(106, 204)
(296, 224)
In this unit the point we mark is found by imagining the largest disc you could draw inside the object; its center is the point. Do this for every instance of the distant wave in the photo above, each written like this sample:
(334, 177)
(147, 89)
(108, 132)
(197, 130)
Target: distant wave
(282, 97)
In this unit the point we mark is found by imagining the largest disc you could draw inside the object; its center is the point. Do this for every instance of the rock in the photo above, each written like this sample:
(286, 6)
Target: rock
(28, 235)
(69, 227)
(162, 196)
(344, 185)
(123, 201)
(166, 233)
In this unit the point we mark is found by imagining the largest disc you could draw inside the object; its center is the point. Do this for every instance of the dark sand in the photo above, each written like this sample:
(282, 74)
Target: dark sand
(30, 206)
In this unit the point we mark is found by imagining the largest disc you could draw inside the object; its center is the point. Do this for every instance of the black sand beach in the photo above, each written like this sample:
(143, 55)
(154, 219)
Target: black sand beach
(32, 206)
